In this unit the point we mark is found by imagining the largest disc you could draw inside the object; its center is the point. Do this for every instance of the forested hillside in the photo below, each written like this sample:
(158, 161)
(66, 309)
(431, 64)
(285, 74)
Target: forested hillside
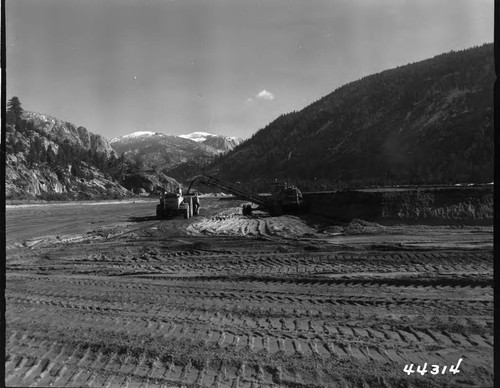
(47, 158)
(429, 122)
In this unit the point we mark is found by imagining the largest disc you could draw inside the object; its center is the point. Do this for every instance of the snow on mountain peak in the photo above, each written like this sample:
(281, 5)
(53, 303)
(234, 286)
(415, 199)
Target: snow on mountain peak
(134, 135)
(197, 136)
(140, 134)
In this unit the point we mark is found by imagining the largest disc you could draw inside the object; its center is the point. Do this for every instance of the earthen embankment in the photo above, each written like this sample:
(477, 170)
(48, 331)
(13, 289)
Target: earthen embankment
(433, 205)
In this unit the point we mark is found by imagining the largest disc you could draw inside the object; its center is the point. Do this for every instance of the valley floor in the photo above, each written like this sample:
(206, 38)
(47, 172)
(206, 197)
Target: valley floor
(106, 295)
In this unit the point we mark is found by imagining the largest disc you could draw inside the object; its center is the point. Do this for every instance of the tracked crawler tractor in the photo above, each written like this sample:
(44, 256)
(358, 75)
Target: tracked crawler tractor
(283, 199)
(175, 204)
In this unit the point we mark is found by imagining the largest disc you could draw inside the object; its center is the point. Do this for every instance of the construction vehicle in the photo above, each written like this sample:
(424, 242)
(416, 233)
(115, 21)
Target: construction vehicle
(283, 198)
(175, 204)
(286, 199)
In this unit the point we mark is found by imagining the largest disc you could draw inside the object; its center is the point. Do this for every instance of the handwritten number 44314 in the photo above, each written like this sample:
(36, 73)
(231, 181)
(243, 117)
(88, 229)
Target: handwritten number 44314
(434, 369)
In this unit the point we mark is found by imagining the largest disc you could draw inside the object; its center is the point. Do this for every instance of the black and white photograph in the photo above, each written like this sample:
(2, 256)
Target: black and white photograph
(248, 193)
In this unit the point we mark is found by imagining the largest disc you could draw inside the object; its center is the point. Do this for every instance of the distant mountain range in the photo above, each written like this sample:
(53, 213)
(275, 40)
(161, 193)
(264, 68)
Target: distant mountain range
(166, 152)
(50, 158)
(429, 122)
(424, 123)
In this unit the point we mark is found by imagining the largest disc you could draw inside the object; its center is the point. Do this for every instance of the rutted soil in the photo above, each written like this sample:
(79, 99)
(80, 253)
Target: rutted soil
(107, 295)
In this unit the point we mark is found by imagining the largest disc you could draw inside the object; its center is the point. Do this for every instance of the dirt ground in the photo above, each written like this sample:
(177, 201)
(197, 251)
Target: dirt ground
(106, 295)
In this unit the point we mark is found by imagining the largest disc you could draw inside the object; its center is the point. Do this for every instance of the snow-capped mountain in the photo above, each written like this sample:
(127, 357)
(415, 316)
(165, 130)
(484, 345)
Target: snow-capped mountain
(198, 136)
(220, 143)
(168, 151)
(134, 135)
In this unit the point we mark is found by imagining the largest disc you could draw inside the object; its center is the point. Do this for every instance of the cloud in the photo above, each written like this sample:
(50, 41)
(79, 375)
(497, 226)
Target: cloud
(265, 95)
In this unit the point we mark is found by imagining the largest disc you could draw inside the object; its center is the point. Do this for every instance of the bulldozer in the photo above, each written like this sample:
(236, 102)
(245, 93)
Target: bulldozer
(175, 204)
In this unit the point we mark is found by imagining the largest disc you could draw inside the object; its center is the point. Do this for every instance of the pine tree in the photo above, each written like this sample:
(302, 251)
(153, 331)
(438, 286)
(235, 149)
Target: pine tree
(18, 147)
(32, 156)
(51, 156)
(75, 169)
(14, 110)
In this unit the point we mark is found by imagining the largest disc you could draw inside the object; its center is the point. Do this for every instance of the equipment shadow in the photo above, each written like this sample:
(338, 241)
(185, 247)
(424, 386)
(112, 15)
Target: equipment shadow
(142, 219)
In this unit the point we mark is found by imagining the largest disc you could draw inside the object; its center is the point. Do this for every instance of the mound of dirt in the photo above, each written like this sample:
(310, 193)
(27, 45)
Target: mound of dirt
(232, 223)
(356, 226)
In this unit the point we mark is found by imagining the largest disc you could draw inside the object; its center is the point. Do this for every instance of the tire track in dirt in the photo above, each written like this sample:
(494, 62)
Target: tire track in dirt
(95, 367)
(371, 280)
(237, 285)
(284, 255)
(447, 276)
(288, 270)
(58, 297)
(238, 335)
(295, 337)
(88, 365)
(307, 329)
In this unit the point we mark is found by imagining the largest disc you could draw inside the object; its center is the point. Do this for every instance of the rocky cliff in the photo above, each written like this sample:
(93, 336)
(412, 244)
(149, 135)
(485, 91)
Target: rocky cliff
(51, 159)
(42, 181)
(62, 130)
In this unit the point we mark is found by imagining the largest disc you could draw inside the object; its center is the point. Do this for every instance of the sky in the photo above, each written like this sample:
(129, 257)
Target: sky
(227, 67)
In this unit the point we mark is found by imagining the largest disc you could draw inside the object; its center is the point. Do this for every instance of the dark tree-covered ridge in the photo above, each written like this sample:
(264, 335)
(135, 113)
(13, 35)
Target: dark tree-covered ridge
(429, 122)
